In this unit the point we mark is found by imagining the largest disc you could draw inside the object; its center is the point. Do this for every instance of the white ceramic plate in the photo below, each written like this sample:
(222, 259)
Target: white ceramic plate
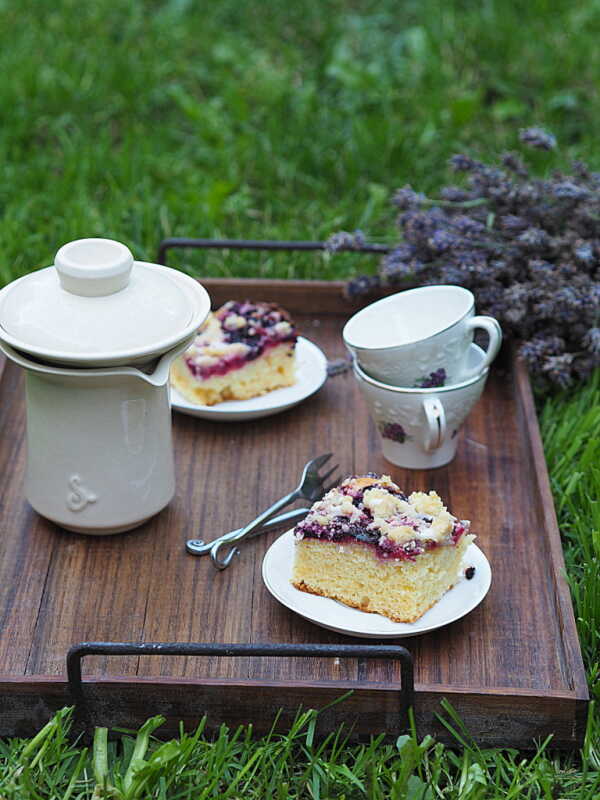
(462, 598)
(311, 373)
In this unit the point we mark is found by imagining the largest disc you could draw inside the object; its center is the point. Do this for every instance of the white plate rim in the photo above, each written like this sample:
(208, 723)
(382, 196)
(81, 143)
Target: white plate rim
(271, 403)
(370, 625)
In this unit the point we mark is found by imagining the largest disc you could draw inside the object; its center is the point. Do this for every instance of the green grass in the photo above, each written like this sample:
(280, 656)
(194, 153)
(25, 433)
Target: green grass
(271, 119)
(267, 118)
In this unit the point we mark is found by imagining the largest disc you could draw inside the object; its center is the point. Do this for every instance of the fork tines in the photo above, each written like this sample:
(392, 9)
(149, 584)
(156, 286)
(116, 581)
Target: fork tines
(319, 461)
(335, 481)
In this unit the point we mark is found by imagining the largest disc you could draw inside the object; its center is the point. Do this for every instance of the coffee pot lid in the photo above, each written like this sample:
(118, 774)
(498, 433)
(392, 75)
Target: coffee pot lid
(97, 306)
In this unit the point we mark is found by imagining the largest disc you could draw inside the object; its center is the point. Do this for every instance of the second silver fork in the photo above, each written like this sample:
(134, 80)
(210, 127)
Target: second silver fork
(312, 487)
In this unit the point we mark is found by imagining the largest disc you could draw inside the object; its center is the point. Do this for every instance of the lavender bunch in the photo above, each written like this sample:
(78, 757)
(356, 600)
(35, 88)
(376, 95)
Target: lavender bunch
(527, 247)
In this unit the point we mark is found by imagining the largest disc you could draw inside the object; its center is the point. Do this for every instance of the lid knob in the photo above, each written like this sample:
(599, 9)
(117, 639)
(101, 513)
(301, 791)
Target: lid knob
(93, 267)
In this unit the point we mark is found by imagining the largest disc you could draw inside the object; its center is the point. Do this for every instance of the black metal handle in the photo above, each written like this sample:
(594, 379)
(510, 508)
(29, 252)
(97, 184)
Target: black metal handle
(388, 652)
(257, 244)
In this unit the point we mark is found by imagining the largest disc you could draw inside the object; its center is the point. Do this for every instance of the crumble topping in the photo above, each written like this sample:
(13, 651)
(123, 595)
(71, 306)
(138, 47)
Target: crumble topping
(427, 503)
(381, 503)
(282, 328)
(234, 322)
(374, 510)
(400, 534)
(237, 333)
(333, 506)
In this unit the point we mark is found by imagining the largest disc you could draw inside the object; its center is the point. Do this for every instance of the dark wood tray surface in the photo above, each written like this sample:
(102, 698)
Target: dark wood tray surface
(512, 667)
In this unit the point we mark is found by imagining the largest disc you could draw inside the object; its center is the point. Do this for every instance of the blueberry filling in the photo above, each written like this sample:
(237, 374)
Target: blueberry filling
(259, 328)
(457, 531)
(341, 530)
(257, 332)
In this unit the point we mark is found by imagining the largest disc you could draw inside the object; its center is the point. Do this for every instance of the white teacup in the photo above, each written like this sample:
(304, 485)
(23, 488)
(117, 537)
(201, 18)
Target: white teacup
(419, 427)
(420, 337)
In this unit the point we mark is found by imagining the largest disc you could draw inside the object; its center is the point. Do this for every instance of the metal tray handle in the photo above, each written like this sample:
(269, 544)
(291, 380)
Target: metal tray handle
(370, 651)
(256, 244)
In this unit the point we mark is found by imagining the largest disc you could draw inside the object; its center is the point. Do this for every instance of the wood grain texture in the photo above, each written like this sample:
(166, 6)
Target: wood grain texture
(495, 717)
(318, 297)
(515, 658)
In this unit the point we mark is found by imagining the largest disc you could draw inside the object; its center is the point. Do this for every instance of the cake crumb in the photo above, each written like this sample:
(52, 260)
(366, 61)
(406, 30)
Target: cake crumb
(400, 533)
(427, 503)
(381, 502)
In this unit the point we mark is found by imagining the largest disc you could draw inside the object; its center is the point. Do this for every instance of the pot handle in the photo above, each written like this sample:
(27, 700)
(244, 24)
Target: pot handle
(435, 424)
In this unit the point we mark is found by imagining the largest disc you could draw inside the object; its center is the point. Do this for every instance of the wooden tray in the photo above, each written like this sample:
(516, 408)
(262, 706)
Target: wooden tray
(512, 668)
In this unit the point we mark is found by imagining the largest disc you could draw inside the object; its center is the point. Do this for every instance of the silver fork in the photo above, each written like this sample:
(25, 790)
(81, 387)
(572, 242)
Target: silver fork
(312, 487)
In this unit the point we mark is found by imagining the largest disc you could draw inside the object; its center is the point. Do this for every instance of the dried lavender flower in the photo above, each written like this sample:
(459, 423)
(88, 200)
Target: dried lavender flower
(558, 369)
(533, 238)
(538, 138)
(406, 198)
(441, 240)
(567, 190)
(527, 247)
(345, 241)
(399, 263)
(591, 340)
(584, 253)
(539, 347)
(463, 163)
(361, 285)
(514, 163)
(454, 194)
(512, 223)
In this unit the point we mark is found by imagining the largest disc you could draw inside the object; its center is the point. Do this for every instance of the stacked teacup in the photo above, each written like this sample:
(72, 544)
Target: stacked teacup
(419, 369)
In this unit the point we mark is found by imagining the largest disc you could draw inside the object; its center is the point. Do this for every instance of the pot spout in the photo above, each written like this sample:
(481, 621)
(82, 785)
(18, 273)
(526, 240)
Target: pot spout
(160, 374)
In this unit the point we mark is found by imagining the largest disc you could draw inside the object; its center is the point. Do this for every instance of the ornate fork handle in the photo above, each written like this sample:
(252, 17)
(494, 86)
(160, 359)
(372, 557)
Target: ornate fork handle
(198, 547)
(245, 533)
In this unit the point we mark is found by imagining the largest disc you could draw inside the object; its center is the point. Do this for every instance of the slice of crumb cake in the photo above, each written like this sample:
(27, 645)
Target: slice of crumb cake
(243, 350)
(370, 546)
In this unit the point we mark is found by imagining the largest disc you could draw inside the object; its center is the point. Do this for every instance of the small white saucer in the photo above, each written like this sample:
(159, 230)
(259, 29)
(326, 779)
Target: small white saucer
(462, 598)
(311, 374)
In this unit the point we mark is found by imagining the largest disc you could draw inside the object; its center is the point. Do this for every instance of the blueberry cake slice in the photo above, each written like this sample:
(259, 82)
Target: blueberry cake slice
(371, 547)
(243, 350)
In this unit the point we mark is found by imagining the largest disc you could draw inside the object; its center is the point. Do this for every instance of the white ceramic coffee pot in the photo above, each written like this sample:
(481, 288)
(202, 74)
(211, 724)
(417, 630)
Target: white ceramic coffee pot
(96, 334)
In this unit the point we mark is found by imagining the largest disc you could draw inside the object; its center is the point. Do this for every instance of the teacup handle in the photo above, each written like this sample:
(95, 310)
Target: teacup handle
(435, 428)
(494, 331)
